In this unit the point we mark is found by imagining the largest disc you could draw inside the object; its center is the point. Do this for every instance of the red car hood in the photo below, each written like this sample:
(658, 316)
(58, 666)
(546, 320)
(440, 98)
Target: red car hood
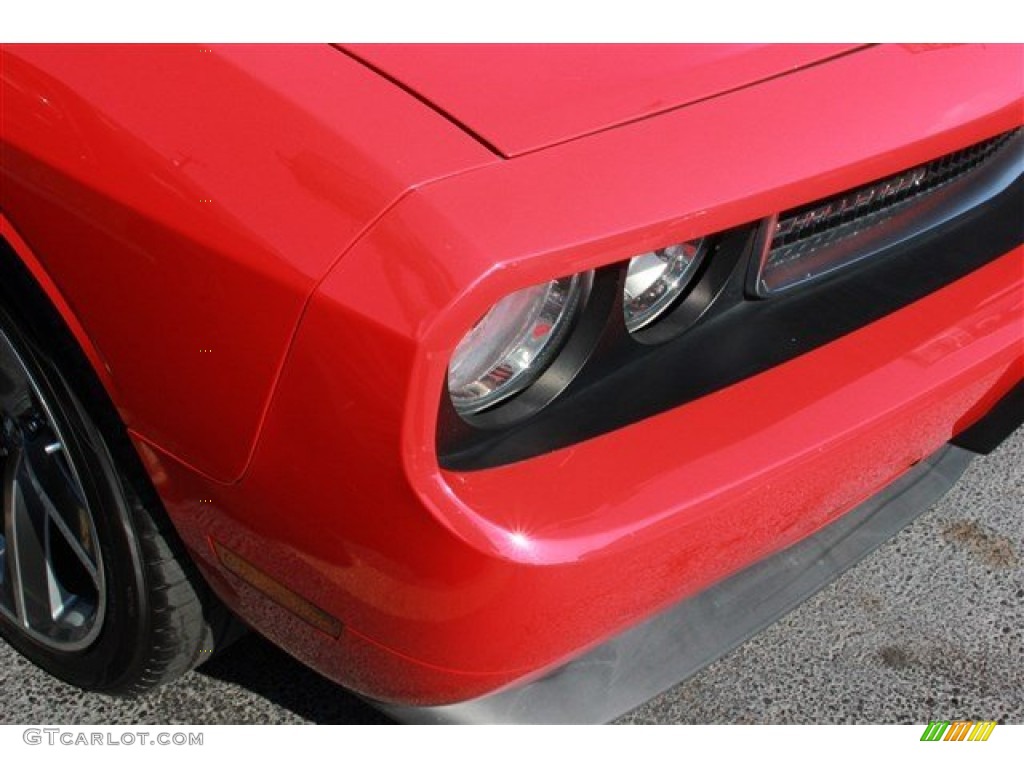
(518, 98)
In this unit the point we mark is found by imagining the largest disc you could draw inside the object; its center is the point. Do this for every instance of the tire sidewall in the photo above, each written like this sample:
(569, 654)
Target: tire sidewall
(117, 649)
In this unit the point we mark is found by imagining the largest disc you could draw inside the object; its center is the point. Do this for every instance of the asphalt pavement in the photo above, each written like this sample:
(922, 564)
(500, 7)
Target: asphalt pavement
(930, 626)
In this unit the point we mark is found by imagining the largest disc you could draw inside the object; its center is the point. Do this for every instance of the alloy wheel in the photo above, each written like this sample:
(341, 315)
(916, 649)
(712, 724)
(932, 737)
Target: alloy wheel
(51, 569)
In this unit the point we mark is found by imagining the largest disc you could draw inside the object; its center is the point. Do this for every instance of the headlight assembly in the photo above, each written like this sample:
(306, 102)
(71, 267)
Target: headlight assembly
(654, 280)
(513, 344)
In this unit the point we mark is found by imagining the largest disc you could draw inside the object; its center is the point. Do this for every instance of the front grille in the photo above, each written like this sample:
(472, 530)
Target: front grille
(814, 227)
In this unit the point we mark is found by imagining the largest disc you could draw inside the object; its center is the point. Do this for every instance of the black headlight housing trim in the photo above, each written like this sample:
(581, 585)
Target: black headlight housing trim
(721, 334)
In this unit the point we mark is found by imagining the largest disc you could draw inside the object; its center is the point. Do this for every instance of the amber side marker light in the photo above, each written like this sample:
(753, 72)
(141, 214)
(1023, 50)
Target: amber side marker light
(277, 591)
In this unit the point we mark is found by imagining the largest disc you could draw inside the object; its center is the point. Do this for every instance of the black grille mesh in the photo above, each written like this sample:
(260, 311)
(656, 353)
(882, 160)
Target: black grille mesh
(847, 213)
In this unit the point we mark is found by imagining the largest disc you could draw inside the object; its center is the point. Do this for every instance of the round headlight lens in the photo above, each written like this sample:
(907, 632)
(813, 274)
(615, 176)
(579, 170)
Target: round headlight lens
(654, 280)
(513, 343)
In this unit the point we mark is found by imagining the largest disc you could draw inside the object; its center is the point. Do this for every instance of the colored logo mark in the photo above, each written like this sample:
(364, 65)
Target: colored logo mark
(958, 730)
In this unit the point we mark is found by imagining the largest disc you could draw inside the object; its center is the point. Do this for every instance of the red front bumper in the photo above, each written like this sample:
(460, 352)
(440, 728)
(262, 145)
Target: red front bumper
(450, 585)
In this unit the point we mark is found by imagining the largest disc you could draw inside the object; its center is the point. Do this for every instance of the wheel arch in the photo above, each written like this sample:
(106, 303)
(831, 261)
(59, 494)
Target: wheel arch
(36, 297)
(33, 288)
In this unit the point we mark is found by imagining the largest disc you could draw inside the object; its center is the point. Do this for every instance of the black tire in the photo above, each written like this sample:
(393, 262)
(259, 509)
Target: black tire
(159, 619)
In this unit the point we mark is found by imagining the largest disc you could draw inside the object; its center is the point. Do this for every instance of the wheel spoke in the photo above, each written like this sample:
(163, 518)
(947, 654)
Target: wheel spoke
(53, 513)
(14, 600)
(28, 553)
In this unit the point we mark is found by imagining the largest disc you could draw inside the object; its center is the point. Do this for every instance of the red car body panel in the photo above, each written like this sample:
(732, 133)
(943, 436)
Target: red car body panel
(451, 584)
(219, 186)
(561, 92)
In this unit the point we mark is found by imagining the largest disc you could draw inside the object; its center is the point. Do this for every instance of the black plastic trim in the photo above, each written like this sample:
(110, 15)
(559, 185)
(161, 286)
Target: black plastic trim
(735, 337)
(998, 424)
